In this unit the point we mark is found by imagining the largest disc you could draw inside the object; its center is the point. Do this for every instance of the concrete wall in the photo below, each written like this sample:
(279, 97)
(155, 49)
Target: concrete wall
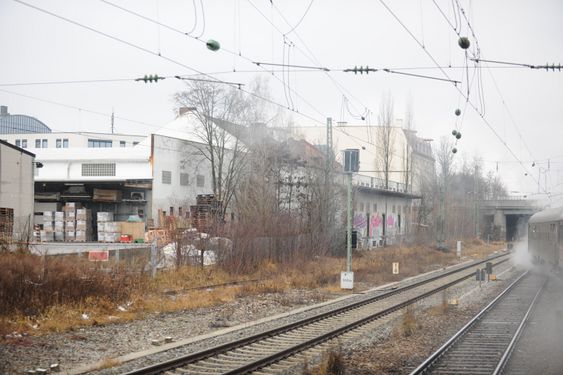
(178, 156)
(66, 164)
(364, 138)
(16, 186)
(369, 210)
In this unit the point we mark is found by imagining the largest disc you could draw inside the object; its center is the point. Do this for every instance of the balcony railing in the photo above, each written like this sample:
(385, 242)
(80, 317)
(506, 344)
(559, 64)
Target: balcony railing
(379, 183)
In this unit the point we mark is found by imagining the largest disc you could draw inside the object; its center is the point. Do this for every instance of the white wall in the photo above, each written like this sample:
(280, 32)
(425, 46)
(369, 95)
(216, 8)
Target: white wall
(178, 156)
(74, 139)
(66, 164)
(364, 138)
(16, 185)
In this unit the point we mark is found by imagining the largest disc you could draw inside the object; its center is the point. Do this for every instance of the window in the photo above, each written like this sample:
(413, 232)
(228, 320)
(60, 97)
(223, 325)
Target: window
(121, 143)
(180, 211)
(166, 177)
(59, 143)
(200, 180)
(99, 143)
(184, 179)
(65, 143)
(18, 143)
(37, 143)
(98, 169)
(135, 143)
(171, 211)
(375, 207)
(24, 143)
(44, 143)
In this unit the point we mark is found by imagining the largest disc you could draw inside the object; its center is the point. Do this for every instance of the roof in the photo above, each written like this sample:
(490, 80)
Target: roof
(546, 216)
(17, 148)
(15, 124)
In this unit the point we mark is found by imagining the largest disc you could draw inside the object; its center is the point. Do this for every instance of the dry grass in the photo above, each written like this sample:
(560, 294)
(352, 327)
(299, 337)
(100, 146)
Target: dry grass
(108, 363)
(37, 301)
(409, 324)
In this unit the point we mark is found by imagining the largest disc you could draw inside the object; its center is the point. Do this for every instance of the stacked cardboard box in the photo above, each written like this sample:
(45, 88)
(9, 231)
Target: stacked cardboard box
(83, 225)
(108, 230)
(70, 220)
(59, 226)
(47, 234)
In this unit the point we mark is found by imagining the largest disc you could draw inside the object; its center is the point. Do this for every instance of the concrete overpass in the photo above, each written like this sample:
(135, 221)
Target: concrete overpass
(506, 218)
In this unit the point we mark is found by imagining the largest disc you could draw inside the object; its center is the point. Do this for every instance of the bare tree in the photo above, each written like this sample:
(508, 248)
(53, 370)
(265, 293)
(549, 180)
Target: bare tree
(214, 105)
(385, 139)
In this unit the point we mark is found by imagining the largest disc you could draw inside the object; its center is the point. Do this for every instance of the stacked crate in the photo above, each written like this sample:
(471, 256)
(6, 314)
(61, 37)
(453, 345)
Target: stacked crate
(59, 226)
(47, 234)
(205, 211)
(6, 224)
(108, 230)
(70, 221)
(83, 225)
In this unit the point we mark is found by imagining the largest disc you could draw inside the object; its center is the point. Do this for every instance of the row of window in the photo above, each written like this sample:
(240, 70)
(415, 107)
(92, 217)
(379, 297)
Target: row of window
(184, 179)
(364, 207)
(43, 143)
(102, 143)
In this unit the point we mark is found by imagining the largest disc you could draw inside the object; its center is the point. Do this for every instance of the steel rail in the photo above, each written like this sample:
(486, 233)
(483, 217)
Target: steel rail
(428, 364)
(508, 352)
(223, 348)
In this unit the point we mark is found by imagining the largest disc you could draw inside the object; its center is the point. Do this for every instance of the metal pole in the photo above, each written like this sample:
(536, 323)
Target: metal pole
(349, 229)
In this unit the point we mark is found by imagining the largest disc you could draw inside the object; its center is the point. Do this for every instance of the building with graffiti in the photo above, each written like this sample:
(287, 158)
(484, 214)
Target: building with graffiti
(390, 178)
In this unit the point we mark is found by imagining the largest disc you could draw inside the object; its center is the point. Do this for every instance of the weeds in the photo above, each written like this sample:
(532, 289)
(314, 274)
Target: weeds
(331, 364)
(40, 295)
(410, 324)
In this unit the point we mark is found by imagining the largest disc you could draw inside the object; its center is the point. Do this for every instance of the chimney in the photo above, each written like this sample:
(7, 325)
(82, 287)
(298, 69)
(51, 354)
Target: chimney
(183, 110)
(3, 110)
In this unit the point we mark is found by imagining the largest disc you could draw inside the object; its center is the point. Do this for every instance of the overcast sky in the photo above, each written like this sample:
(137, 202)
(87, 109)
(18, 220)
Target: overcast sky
(523, 106)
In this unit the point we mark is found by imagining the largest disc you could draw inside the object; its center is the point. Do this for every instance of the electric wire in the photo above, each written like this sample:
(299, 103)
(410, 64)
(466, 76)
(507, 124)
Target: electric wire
(497, 135)
(146, 50)
(222, 48)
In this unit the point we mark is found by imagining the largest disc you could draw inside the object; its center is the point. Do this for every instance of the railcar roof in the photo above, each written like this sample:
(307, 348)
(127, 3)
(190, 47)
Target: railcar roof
(549, 215)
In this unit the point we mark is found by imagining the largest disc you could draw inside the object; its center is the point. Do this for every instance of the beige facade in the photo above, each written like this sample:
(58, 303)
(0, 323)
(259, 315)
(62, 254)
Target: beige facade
(17, 186)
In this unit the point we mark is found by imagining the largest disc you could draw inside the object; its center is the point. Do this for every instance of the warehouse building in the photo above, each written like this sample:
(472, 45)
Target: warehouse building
(16, 192)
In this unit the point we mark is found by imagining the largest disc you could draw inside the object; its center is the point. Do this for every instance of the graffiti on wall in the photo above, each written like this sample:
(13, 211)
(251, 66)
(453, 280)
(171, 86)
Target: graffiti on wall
(360, 221)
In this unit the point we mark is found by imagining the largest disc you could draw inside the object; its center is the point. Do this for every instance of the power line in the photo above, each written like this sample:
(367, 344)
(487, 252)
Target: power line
(457, 88)
(222, 49)
(547, 67)
(81, 109)
(141, 48)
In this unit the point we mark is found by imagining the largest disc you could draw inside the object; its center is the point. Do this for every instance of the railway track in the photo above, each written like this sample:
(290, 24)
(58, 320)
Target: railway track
(263, 351)
(484, 344)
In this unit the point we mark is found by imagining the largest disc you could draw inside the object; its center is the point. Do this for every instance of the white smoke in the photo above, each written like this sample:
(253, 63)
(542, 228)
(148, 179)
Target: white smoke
(520, 255)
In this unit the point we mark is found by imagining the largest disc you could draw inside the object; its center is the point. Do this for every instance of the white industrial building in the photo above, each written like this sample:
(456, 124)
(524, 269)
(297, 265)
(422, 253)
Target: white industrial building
(155, 175)
(383, 210)
(16, 191)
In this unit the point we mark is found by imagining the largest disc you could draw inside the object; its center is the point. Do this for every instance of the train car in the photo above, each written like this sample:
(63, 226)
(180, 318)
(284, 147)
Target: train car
(545, 237)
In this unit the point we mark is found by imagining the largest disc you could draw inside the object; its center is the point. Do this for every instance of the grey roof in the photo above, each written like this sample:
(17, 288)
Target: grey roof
(546, 216)
(16, 124)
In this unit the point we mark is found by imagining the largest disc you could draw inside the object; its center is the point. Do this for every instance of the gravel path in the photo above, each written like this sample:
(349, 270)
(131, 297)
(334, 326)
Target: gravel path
(541, 344)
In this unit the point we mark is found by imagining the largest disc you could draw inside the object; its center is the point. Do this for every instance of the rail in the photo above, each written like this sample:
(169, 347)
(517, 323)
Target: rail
(273, 358)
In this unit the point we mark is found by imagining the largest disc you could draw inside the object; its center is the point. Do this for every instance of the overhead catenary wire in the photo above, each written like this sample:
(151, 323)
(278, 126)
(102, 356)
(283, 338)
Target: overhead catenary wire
(487, 123)
(148, 51)
(240, 55)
